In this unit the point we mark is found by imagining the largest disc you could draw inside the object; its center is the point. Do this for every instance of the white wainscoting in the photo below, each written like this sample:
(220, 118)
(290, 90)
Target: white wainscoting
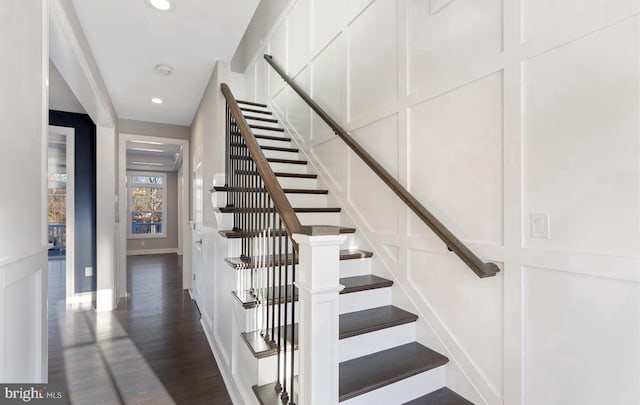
(23, 318)
(488, 111)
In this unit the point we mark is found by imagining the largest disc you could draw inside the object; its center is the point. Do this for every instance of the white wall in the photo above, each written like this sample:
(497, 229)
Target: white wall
(207, 137)
(488, 111)
(61, 97)
(23, 244)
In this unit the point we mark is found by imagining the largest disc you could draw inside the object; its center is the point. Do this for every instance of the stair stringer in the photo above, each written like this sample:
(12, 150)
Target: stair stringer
(463, 374)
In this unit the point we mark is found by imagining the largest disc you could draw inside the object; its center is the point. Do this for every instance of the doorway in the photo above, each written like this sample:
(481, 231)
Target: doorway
(61, 212)
(151, 218)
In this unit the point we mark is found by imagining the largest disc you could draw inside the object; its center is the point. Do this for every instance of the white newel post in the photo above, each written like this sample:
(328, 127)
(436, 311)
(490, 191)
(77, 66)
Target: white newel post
(318, 288)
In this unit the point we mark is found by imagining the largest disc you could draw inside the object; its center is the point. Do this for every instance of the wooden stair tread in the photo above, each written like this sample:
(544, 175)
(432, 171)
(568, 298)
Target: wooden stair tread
(347, 254)
(234, 234)
(255, 110)
(267, 394)
(266, 147)
(363, 283)
(266, 128)
(367, 373)
(273, 296)
(273, 160)
(280, 149)
(299, 209)
(260, 348)
(279, 174)
(269, 137)
(370, 320)
(286, 190)
(443, 396)
(264, 119)
(253, 103)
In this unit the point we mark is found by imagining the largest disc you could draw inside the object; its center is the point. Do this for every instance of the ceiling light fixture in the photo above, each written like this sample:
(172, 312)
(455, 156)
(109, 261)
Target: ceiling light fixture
(147, 150)
(162, 5)
(147, 142)
(146, 163)
(157, 100)
(164, 69)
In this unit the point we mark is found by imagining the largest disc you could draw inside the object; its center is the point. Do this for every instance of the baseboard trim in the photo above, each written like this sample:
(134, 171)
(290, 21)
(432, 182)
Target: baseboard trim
(82, 298)
(237, 397)
(151, 251)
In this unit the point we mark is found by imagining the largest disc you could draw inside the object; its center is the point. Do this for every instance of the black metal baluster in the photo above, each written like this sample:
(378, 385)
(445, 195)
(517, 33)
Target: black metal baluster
(279, 384)
(273, 271)
(284, 397)
(293, 317)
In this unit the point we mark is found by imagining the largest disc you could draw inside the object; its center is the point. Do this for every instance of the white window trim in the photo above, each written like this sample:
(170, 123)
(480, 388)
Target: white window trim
(162, 234)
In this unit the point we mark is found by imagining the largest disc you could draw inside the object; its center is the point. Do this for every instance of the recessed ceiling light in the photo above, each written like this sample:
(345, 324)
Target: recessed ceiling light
(156, 100)
(164, 69)
(162, 5)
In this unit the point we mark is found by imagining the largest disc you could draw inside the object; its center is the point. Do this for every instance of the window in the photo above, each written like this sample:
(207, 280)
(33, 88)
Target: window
(147, 204)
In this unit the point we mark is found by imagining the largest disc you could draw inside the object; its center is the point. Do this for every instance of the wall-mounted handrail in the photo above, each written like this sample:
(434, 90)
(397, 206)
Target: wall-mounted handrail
(454, 244)
(282, 205)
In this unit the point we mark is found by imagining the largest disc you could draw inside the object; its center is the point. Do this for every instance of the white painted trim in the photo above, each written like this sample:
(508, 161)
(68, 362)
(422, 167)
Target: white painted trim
(69, 133)
(32, 263)
(81, 298)
(237, 395)
(70, 52)
(122, 231)
(163, 186)
(151, 251)
(72, 55)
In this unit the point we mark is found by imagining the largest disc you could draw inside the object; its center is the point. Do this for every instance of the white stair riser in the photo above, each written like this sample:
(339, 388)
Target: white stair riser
(404, 390)
(319, 218)
(280, 154)
(260, 122)
(272, 142)
(268, 368)
(297, 182)
(224, 220)
(355, 267)
(299, 200)
(253, 317)
(288, 168)
(369, 343)
(362, 300)
(259, 131)
(261, 274)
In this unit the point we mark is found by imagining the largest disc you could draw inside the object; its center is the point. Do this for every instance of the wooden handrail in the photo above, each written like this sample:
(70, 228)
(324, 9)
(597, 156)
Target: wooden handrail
(280, 201)
(454, 244)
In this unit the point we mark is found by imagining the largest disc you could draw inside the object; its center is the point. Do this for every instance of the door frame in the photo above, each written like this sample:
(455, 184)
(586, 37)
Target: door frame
(121, 212)
(69, 134)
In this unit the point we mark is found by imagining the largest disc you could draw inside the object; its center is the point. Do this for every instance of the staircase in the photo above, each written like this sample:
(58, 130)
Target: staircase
(380, 360)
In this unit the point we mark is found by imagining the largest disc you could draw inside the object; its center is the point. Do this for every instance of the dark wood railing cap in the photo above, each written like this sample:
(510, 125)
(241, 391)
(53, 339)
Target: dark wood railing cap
(280, 201)
(319, 230)
(479, 267)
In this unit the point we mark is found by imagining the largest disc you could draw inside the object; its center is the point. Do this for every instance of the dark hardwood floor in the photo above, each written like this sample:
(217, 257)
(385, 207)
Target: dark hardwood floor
(152, 350)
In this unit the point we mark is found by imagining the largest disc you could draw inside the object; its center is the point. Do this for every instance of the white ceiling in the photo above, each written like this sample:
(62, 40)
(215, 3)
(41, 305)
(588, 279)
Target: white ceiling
(128, 39)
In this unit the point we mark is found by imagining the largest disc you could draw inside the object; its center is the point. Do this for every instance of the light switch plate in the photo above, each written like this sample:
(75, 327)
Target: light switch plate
(88, 271)
(540, 225)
